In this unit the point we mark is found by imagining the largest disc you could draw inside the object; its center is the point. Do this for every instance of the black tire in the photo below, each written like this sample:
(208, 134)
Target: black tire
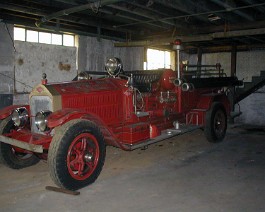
(8, 155)
(216, 123)
(76, 154)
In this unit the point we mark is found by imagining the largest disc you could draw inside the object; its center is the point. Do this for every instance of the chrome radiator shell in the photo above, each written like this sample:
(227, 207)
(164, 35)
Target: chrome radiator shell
(37, 104)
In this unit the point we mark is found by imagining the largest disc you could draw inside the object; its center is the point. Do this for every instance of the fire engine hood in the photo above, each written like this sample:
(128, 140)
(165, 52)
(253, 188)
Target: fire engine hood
(60, 93)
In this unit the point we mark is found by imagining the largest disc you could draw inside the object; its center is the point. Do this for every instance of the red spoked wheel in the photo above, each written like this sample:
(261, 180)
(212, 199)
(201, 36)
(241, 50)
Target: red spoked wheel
(82, 157)
(76, 154)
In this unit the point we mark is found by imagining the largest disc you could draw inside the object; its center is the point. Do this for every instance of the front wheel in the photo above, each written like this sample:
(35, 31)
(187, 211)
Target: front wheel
(216, 123)
(11, 156)
(76, 154)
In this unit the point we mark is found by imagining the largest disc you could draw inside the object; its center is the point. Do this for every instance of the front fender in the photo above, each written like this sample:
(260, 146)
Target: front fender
(60, 117)
(7, 111)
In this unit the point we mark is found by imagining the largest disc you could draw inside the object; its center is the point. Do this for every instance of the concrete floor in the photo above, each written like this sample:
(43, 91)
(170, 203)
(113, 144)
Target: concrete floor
(184, 173)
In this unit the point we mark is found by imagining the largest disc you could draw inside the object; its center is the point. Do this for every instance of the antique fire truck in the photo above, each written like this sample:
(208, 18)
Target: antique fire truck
(69, 124)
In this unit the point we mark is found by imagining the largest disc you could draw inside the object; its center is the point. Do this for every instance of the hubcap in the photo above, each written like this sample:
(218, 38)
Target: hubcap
(88, 157)
(82, 157)
(219, 123)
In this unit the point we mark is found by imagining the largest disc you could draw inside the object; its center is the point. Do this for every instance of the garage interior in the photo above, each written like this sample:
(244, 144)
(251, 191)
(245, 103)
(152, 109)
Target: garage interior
(184, 173)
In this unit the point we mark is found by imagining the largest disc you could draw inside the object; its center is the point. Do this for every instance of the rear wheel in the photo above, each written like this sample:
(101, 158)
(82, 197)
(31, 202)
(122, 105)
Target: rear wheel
(76, 155)
(216, 123)
(11, 156)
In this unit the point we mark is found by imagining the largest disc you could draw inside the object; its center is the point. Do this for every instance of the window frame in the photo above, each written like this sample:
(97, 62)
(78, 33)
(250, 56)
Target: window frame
(51, 34)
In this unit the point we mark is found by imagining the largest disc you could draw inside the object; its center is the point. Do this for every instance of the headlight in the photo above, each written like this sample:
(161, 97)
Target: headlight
(20, 117)
(113, 66)
(41, 120)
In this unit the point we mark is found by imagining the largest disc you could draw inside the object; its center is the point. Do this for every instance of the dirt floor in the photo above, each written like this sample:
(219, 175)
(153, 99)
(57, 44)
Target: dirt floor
(185, 173)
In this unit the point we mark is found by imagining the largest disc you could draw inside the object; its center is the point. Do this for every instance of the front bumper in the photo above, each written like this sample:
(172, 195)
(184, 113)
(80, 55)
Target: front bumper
(21, 144)
(27, 140)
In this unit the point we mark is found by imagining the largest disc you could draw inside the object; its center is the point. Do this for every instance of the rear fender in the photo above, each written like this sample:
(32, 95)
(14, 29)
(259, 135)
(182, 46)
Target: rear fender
(206, 102)
(60, 117)
(225, 101)
(7, 111)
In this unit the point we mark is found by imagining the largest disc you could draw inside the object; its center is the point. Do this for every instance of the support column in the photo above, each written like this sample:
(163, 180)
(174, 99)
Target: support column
(199, 61)
(233, 60)
(233, 73)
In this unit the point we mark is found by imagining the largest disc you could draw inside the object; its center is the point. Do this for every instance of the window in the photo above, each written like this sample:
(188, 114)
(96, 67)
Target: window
(45, 37)
(157, 59)
(19, 34)
(23, 34)
(57, 39)
(68, 40)
(32, 36)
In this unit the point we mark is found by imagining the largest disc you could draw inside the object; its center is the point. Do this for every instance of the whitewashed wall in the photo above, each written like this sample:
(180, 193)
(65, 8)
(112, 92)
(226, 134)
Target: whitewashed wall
(33, 59)
(93, 54)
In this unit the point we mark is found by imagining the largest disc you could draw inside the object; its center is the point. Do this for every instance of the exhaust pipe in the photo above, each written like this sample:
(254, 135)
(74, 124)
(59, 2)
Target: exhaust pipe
(178, 82)
(187, 87)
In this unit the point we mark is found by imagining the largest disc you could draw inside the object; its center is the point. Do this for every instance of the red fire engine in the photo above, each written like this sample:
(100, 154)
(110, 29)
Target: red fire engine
(69, 124)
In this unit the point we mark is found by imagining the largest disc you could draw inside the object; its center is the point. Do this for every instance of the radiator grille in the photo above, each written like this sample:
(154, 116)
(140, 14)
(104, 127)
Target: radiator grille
(38, 103)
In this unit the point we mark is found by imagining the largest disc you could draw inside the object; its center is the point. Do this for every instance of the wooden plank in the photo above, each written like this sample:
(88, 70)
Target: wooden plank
(62, 190)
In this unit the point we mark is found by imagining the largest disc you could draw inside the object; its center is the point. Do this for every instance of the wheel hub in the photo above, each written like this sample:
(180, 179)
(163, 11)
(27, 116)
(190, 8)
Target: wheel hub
(88, 157)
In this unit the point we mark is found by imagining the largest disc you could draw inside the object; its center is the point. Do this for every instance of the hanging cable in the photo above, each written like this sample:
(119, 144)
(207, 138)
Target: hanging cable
(16, 80)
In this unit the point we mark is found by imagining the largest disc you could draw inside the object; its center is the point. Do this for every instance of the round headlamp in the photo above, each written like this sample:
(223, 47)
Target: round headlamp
(83, 76)
(113, 66)
(41, 120)
(20, 117)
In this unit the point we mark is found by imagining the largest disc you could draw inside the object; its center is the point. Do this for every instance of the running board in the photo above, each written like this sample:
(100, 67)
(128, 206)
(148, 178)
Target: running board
(165, 134)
